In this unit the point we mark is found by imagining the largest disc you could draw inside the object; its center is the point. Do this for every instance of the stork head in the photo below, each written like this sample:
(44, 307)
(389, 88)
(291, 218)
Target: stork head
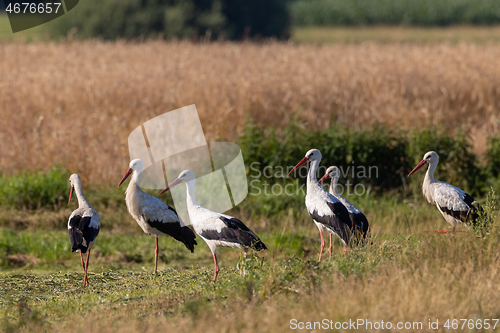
(135, 165)
(431, 157)
(332, 172)
(311, 155)
(74, 180)
(184, 177)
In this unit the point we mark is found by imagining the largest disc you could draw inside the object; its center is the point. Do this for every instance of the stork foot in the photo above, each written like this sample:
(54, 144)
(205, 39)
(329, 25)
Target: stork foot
(451, 231)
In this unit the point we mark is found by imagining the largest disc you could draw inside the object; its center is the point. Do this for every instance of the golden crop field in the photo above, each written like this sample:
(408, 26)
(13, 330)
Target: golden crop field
(75, 103)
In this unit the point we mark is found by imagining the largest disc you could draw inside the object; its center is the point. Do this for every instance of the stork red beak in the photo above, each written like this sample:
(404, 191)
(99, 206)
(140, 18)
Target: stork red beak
(301, 163)
(419, 165)
(325, 177)
(174, 183)
(128, 173)
(70, 194)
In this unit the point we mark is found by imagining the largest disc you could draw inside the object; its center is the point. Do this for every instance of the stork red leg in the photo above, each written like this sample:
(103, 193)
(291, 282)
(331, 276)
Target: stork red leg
(156, 255)
(216, 269)
(86, 269)
(331, 245)
(345, 248)
(322, 244)
(81, 258)
(84, 272)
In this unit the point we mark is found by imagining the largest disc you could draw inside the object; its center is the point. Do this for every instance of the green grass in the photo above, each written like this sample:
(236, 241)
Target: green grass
(182, 294)
(41, 280)
(396, 34)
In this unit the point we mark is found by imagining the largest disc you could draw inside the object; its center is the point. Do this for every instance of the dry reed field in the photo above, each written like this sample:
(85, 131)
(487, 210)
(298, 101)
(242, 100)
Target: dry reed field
(75, 103)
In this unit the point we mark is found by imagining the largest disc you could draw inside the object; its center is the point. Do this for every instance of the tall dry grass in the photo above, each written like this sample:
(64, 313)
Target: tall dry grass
(75, 103)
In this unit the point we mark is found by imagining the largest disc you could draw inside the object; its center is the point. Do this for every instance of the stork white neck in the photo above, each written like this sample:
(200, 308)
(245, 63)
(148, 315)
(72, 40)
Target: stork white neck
(428, 180)
(135, 181)
(136, 177)
(191, 201)
(312, 181)
(429, 175)
(333, 186)
(82, 202)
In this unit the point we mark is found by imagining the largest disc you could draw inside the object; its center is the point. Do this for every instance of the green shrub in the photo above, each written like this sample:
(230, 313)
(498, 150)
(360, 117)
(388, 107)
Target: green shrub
(487, 214)
(377, 157)
(380, 159)
(421, 12)
(113, 19)
(33, 190)
(256, 18)
(493, 156)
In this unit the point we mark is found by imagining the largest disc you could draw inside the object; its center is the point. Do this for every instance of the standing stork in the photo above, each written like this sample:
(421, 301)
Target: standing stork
(358, 219)
(329, 214)
(214, 228)
(455, 205)
(83, 225)
(153, 215)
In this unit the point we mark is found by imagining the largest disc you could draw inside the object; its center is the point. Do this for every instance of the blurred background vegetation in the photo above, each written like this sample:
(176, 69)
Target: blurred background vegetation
(394, 12)
(193, 19)
(240, 19)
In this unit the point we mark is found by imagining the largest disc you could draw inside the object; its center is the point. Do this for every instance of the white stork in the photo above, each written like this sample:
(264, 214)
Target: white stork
(83, 225)
(214, 228)
(153, 215)
(455, 205)
(358, 219)
(327, 212)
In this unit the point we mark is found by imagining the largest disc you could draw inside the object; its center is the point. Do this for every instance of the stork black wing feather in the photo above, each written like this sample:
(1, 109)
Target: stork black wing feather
(235, 231)
(180, 233)
(360, 223)
(465, 216)
(339, 221)
(81, 234)
(360, 226)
